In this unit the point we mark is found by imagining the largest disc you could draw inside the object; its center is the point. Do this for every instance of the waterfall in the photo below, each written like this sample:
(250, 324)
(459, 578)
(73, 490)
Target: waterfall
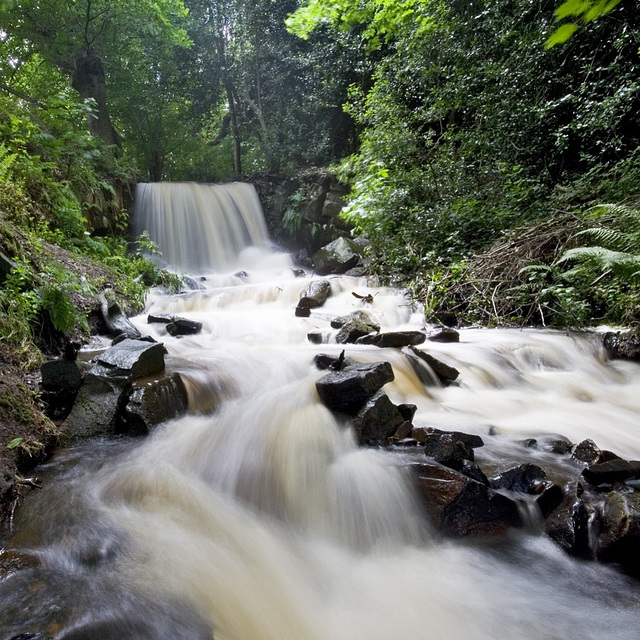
(200, 227)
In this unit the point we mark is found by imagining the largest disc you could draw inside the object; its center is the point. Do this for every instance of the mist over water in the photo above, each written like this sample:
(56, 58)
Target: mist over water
(257, 515)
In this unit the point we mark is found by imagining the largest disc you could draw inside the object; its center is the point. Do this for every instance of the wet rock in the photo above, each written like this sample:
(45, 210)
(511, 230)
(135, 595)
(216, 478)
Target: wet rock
(155, 402)
(133, 358)
(443, 372)
(620, 525)
(408, 411)
(99, 403)
(403, 431)
(444, 334)
(353, 330)
(549, 497)
(586, 451)
(523, 478)
(183, 327)
(624, 345)
(114, 318)
(191, 284)
(469, 439)
(362, 316)
(568, 525)
(555, 444)
(337, 257)
(612, 472)
(159, 318)
(348, 390)
(61, 381)
(377, 421)
(470, 469)
(316, 336)
(461, 506)
(448, 450)
(325, 361)
(303, 312)
(394, 339)
(315, 295)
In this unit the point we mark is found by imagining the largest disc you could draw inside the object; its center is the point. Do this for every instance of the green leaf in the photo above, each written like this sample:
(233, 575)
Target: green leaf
(560, 35)
(15, 443)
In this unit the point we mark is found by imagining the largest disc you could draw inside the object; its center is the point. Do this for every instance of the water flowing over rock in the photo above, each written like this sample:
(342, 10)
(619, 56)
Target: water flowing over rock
(200, 226)
(315, 295)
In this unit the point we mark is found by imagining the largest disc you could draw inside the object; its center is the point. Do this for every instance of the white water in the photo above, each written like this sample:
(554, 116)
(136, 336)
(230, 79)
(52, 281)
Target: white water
(200, 226)
(259, 512)
(272, 523)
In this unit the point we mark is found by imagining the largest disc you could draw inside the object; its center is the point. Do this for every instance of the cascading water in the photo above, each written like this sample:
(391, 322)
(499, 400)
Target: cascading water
(200, 226)
(256, 516)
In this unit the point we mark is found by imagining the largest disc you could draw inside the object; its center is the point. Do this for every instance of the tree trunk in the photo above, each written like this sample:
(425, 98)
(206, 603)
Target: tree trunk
(88, 79)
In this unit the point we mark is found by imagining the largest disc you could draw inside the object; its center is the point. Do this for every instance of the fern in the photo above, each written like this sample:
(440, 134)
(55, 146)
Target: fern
(59, 304)
(6, 160)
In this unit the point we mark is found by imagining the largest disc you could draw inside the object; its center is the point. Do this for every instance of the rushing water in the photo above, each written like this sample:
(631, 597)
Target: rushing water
(256, 516)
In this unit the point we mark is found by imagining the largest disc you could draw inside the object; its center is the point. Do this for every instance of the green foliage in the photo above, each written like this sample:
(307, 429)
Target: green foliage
(578, 11)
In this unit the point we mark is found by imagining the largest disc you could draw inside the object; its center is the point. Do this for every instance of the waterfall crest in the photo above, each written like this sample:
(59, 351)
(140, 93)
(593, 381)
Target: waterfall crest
(200, 227)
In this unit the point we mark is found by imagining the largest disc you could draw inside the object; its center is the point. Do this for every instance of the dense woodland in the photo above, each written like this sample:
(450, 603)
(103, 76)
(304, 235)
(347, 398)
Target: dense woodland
(492, 147)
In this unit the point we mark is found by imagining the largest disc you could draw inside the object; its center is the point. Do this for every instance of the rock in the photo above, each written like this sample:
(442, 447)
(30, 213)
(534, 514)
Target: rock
(555, 444)
(377, 421)
(444, 373)
(394, 339)
(324, 361)
(348, 390)
(159, 318)
(586, 451)
(408, 411)
(469, 439)
(191, 284)
(361, 316)
(473, 471)
(612, 472)
(316, 336)
(620, 525)
(444, 334)
(549, 497)
(461, 506)
(568, 525)
(446, 449)
(315, 295)
(523, 478)
(155, 402)
(403, 431)
(337, 257)
(303, 312)
(133, 358)
(353, 330)
(114, 318)
(183, 327)
(61, 381)
(100, 401)
(624, 345)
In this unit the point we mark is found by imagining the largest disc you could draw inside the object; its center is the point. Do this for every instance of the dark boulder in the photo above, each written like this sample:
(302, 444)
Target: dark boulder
(159, 318)
(612, 472)
(568, 525)
(377, 421)
(470, 439)
(133, 358)
(461, 506)
(316, 336)
(444, 334)
(362, 316)
(337, 257)
(315, 295)
(443, 372)
(619, 540)
(325, 361)
(152, 403)
(523, 478)
(183, 327)
(394, 339)
(408, 411)
(549, 496)
(448, 450)
(61, 381)
(348, 390)
(624, 345)
(586, 451)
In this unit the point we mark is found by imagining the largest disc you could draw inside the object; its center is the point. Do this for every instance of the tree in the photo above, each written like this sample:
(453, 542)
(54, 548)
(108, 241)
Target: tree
(83, 37)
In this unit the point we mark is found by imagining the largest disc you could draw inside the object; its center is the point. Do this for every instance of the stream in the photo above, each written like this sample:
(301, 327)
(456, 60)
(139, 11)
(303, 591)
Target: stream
(257, 517)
